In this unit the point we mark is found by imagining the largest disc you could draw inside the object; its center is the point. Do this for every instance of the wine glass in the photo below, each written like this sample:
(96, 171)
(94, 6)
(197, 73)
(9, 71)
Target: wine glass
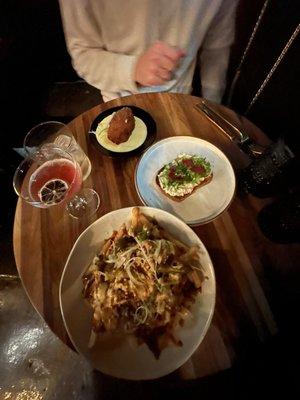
(61, 135)
(50, 176)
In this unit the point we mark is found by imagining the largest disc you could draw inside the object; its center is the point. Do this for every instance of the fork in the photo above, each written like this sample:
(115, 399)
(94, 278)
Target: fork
(230, 130)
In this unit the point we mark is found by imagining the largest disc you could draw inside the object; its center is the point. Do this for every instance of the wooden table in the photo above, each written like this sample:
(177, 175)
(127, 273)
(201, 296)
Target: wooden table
(243, 316)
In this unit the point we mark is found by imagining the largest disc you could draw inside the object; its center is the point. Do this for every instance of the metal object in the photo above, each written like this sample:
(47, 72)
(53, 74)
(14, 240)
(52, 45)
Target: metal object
(269, 175)
(231, 131)
(246, 51)
(274, 67)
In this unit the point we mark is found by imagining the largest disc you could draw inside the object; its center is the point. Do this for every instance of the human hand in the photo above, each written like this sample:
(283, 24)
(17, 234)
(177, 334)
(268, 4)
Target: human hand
(157, 64)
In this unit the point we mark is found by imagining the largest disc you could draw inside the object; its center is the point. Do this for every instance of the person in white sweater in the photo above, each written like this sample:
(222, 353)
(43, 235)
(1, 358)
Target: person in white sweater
(137, 46)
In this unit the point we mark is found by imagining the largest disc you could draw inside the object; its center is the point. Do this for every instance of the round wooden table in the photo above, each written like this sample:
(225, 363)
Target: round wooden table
(243, 316)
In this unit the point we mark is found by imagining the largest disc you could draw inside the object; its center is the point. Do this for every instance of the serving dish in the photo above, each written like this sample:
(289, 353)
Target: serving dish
(206, 203)
(144, 121)
(122, 357)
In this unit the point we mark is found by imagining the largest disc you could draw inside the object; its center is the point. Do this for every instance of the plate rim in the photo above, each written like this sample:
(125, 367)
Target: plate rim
(207, 322)
(181, 137)
(150, 137)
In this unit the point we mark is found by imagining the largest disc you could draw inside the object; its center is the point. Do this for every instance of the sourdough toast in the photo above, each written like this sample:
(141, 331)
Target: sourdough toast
(178, 198)
(181, 198)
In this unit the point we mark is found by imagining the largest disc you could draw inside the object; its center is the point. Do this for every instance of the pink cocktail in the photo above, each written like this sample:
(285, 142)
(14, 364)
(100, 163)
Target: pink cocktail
(55, 181)
(51, 176)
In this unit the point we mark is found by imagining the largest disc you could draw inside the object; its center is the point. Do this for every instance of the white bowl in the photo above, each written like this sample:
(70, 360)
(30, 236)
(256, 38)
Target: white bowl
(124, 358)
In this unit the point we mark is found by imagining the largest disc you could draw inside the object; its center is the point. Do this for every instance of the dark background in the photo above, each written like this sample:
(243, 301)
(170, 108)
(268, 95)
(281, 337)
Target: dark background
(276, 110)
(33, 59)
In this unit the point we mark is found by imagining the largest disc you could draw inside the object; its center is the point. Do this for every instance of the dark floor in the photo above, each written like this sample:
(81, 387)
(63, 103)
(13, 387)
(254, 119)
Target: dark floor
(34, 364)
(9, 163)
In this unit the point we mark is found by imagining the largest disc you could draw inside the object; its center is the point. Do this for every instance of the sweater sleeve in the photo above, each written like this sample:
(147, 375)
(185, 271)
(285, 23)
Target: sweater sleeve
(103, 69)
(214, 55)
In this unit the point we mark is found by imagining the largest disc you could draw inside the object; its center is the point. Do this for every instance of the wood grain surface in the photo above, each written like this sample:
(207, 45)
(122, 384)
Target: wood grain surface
(243, 316)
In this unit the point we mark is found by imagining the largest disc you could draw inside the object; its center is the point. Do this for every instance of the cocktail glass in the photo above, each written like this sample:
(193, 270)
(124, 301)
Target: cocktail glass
(61, 135)
(50, 176)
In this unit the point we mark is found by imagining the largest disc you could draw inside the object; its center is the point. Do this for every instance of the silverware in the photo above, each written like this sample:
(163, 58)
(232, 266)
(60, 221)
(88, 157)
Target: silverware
(230, 130)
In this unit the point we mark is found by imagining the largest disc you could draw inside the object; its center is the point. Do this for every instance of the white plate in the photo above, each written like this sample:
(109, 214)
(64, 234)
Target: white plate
(124, 359)
(204, 204)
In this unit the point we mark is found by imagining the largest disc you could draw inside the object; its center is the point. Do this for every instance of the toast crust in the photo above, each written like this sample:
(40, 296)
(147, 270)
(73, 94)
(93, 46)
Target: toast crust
(178, 199)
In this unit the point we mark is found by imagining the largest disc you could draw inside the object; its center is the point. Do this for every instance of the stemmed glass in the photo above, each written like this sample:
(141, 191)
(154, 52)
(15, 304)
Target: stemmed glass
(50, 176)
(61, 135)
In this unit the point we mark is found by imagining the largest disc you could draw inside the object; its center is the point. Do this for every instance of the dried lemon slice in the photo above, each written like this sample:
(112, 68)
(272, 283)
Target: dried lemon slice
(53, 191)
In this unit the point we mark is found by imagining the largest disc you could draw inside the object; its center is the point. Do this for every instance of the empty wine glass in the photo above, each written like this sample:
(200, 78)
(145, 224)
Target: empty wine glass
(61, 135)
(50, 176)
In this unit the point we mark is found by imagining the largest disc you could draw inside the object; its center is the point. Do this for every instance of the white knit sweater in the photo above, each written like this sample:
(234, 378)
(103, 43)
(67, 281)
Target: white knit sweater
(105, 38)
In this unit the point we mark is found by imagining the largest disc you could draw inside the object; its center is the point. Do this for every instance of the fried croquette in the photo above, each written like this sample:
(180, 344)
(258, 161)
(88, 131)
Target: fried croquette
(121, 126)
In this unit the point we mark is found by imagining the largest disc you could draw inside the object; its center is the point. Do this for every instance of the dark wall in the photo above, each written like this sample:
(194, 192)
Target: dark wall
(277, 109)
(32, 56)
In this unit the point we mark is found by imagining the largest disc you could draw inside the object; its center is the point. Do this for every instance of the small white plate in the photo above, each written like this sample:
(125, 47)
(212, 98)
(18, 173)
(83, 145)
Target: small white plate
(206, 203)
(124, 358)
